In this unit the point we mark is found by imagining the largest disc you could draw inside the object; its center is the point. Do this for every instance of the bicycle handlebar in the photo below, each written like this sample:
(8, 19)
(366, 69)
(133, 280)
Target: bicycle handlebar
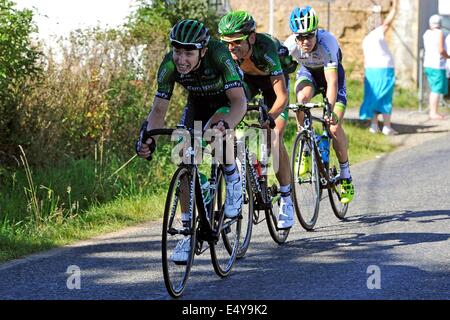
(305, 106)
(310, 105)
(262, 109)
(158, 132)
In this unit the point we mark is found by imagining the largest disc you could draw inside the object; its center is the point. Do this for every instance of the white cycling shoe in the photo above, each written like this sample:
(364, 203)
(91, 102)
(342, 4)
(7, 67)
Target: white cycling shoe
(233, 201)
(182, 251)
(286, 216)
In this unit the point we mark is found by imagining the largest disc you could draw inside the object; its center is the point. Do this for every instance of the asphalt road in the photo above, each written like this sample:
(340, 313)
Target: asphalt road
(396, 238)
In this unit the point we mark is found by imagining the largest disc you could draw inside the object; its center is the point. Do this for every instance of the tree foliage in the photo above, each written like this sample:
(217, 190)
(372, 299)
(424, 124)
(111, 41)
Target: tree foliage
(154, 18)
(18, 61)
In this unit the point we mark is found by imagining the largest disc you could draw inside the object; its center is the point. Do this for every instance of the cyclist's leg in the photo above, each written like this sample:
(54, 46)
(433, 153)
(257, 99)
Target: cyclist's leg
(181, 252)
(279, 151)
(305, 90)
(188, 119)
(280, 155)
(340, 142)
(233, 200)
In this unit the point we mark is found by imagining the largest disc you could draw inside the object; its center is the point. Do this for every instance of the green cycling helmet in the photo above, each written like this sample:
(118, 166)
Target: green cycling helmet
(236, 22)
(189, 34)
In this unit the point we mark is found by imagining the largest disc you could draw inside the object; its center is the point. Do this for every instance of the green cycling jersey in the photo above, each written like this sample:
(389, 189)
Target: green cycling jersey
(270, 56)
(216, 74)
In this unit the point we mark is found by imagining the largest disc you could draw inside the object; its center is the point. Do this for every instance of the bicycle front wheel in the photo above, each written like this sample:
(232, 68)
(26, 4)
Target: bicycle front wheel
(224, 250)
(306, 189)
(177, 234)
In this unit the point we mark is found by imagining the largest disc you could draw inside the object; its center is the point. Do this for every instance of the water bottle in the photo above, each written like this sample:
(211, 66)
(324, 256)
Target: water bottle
(204, 182)
(324, 147)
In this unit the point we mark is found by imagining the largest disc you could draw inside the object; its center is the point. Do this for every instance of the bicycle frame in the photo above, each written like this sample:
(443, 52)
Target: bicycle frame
(205, 212)
(326, 182)
(255, 181)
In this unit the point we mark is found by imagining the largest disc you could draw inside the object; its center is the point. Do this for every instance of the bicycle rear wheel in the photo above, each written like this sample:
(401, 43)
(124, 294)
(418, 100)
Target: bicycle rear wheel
(175, 233)
(224, 250)
(305, 188)
(339, 209)
(272, 196)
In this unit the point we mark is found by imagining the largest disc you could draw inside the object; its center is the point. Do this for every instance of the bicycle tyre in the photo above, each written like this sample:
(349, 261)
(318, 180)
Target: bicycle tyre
(278, 235)
(247, 220)
(306, 192)
(339, 209)
(223, 259)
(176, 275)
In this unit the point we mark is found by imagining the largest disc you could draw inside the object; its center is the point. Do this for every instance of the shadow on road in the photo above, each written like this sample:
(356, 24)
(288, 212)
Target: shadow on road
(330, 263)
(399, 127)
(375, 219)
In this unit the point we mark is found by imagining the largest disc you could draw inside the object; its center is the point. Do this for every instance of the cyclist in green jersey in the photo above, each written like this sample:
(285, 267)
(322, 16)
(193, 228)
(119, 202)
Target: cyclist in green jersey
(266, 65)
(204, 67)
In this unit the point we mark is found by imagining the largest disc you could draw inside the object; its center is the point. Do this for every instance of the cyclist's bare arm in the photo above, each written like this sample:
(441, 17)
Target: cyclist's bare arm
(279, 87)
(331, 76)
(155, 120)
(238, 107)
(157, 114)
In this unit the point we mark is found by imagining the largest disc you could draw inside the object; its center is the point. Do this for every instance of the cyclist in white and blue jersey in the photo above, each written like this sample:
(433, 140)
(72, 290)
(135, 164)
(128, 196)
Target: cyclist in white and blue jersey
(320, 57)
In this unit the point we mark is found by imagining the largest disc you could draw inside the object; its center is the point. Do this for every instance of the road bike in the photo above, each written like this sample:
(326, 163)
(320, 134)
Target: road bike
(207, 226)
(259, 196)
(308, 185)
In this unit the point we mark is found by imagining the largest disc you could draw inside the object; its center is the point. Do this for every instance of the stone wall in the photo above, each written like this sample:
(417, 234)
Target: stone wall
(348, 22)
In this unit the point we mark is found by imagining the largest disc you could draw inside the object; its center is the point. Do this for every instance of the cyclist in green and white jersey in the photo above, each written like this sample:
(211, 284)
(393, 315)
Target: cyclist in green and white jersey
(204, 67)
(266, 65)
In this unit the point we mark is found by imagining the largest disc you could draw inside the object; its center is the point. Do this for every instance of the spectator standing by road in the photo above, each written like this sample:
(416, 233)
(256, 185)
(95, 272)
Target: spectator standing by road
(379, 80)
(434, 64)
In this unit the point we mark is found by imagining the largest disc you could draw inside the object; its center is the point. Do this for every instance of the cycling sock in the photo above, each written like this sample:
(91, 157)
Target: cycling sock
(231, 173)
(286, 193)
(186, 219)
(345, 170)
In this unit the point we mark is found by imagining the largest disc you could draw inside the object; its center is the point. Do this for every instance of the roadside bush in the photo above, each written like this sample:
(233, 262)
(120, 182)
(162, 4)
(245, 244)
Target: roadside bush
(19, 61)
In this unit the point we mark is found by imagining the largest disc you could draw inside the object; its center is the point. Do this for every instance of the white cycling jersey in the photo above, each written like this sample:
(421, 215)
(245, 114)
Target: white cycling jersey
(325, 55)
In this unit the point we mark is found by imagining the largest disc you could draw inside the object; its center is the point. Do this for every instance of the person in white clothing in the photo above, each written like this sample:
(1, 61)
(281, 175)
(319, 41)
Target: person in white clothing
(379, 79)
(434, 64)
(447, 64)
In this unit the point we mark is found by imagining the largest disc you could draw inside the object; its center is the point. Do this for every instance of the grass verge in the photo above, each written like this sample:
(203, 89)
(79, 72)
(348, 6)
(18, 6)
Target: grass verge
(75, 200)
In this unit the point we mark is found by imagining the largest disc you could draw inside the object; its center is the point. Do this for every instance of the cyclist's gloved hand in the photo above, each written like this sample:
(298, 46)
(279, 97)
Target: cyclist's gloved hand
(269, 122)
(145, 146)
(333, 120)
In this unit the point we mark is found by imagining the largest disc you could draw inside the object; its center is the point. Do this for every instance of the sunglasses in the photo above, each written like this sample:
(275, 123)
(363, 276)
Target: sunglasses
(237, 41)
(305, 36)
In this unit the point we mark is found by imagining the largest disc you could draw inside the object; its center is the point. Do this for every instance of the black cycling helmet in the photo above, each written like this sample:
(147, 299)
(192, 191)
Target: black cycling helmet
(189, 34)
